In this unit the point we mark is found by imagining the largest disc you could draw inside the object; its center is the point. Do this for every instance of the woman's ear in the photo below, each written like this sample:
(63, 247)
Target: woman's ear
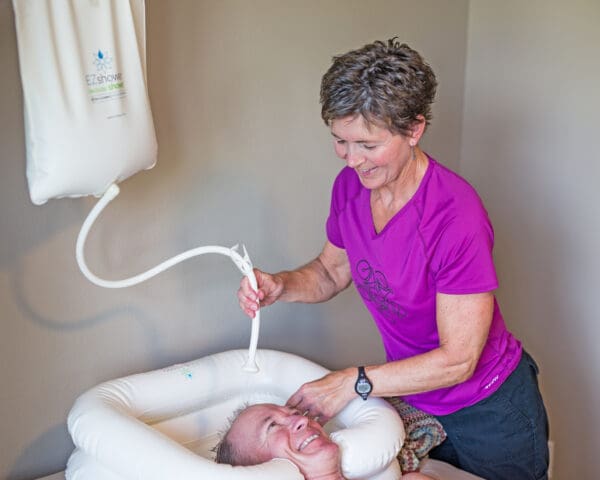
(416, 131)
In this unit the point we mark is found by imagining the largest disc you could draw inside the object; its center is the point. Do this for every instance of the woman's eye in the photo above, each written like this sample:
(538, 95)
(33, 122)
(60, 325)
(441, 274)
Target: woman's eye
(368, 147)
(272, 424)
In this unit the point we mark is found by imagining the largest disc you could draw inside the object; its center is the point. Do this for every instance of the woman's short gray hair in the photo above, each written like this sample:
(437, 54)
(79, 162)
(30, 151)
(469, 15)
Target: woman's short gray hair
(389, 84)
(225, 451)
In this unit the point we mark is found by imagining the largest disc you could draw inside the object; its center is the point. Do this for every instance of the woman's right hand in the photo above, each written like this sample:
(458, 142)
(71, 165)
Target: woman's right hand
(270, 288)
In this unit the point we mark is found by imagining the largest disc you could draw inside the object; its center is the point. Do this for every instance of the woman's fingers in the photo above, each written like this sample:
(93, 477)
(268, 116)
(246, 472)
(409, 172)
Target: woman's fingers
(248, 298)
(325, 397)
(251, 300)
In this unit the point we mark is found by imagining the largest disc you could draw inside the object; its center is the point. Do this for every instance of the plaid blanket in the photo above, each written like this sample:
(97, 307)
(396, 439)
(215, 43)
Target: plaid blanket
(423, 432)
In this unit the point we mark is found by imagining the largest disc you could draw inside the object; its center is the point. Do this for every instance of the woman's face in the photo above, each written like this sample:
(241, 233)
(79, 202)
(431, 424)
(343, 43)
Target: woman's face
(377, 155)
(266, 431)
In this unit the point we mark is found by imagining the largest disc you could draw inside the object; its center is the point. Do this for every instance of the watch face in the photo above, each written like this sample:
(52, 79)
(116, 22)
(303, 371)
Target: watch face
(362, 386)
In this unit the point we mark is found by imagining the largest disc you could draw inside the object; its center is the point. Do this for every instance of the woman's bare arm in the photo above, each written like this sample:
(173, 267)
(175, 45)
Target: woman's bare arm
(317, 281)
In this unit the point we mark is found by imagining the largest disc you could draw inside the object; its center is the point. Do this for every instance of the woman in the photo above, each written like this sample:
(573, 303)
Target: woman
(264, 431)
(416, 240)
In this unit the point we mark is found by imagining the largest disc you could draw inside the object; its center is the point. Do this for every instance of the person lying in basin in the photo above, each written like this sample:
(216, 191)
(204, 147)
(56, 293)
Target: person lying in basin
(265, 431)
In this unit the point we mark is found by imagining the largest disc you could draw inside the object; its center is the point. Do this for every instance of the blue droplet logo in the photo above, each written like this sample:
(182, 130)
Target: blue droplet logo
(102, 61)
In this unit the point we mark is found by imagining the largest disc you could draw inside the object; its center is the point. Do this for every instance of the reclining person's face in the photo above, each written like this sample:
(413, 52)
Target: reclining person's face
(266, 431)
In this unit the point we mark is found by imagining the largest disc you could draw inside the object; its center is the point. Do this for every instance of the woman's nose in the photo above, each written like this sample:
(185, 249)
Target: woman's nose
(352, 157)
(299, 422)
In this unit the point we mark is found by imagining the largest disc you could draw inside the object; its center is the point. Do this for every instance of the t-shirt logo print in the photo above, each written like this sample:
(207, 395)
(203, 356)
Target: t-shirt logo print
(373, 286)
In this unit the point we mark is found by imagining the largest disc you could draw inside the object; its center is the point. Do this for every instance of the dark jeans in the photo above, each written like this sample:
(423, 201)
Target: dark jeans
(503, 437)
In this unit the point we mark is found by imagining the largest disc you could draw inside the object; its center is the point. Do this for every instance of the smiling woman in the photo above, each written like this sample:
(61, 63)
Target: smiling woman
(265, 431)
(417, 242)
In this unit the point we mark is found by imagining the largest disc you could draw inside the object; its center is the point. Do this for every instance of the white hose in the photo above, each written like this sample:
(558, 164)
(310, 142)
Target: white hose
(243, 263)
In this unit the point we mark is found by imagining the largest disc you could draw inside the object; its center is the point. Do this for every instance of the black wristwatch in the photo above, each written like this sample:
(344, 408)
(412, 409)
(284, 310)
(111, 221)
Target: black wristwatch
(363, 385)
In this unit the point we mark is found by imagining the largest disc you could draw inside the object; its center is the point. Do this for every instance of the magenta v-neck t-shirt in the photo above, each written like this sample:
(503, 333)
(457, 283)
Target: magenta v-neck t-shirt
(440, 241)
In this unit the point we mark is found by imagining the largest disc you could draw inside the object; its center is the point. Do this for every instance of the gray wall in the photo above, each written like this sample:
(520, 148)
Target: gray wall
(530, 144)
(243, 156)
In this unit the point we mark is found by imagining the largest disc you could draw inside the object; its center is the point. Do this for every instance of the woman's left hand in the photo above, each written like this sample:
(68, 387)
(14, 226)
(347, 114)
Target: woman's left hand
(324, 398)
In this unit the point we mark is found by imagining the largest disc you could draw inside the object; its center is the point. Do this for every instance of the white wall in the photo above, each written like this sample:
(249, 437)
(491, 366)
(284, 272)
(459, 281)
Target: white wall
(243, 156)
(531, 146)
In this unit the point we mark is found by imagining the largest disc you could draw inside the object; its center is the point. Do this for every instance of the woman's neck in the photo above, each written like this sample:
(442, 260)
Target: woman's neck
(397, 194)
(385, 203)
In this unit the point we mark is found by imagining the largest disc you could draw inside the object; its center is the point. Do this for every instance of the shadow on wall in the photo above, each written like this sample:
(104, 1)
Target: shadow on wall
(42, 451)
(144, 320)
(141, 323)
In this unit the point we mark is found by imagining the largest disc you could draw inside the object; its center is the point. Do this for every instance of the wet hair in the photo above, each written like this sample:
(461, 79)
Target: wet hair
(225, 451)
(389, 84)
